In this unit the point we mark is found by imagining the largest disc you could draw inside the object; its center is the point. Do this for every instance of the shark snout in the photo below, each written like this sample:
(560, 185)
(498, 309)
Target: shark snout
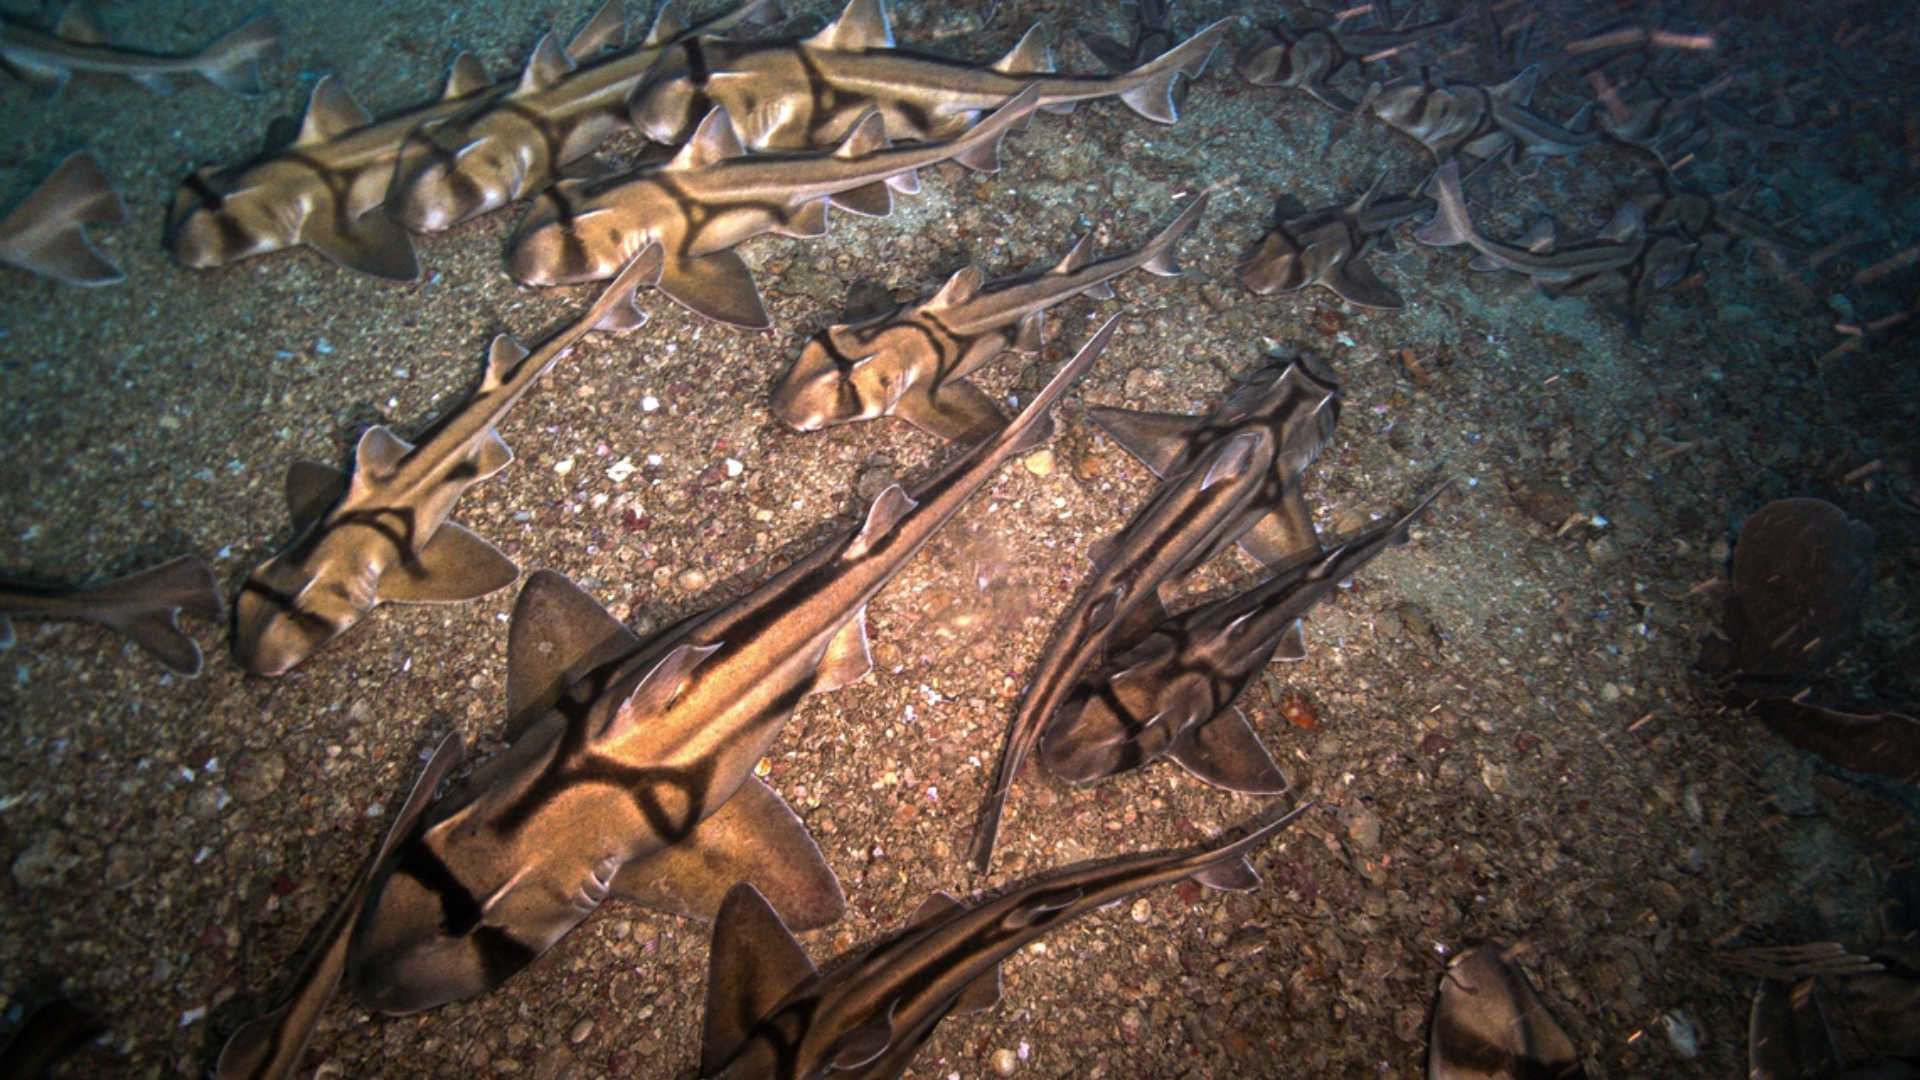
(815, 393)
(401, 960)
(271, 637)
(435, 189)
(549, 248)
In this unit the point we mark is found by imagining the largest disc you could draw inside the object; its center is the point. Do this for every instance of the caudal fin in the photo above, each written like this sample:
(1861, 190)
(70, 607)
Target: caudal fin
(1152, 96)
(233, 62)
(146, 607)
(46, 234)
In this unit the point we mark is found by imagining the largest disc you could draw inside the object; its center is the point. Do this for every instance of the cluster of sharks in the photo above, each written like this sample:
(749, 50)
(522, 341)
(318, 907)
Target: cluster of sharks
(629, 767)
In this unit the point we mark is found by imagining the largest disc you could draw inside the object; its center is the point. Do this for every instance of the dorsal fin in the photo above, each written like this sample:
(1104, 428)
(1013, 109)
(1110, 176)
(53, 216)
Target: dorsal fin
(468, 76)
(1046, 903)
(1030, 56)
(754, 963)
(1366, 199)
(331, 112)
(863, 25)
(606, 30)
(77, 24)
(864, 1044)
(888, 508)
(869, 134)
(504, 355)
(379, 453)
(1539, 239)
(938, 906)
(1080, 255)
(960, 288)
(1625, 226)
(655, 692)
(714, 140)
(1233, 459)
(547, 64)
(668, 23)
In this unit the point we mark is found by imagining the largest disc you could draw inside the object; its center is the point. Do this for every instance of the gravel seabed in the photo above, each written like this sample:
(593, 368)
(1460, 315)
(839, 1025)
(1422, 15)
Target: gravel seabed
(1510, 742)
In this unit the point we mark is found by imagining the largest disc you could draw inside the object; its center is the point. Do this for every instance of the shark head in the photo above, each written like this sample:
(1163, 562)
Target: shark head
(836, 380)
(565, 240)
(668, 111)
(452, 916)
(220, 215)
(444, 178)
(282, 616)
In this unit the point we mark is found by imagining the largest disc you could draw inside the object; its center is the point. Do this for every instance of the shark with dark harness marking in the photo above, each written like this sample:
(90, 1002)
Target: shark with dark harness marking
(383, 534)
(1329, 247)
(630, 765)
(913, 362)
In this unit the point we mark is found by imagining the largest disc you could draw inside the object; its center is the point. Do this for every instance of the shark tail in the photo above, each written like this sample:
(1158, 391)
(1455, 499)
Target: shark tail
(1152, 95)
(1160, 250)
(146, 608)
(233, 62)
(50, 238)
(979, 149)
(1450, 226)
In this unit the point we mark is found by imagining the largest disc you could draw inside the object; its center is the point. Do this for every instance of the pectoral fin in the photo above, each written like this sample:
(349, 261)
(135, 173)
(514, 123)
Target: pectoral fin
(455, 566)
(558, 635)
(312, 489)
(753, 837)
(754, 963)
(717, 286)
(374, 244)
(1226, 753)
(1355, 281)
(1286, 536)
(956, 411)
(1160, 440)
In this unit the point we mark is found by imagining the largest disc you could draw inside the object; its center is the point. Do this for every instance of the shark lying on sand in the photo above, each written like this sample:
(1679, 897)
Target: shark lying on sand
(1481, 122)
(47, 233)
(1490, 1024)
(1232, 477)
(145, 607)
(47, 61)
(510, 146)
(771, 1015)
(1624, 262)
(269, 1047)
(792, 94)
(630, 769)
(913, 362)
(383, 534)
(1329, 247)
(1319, 59)
(1173, 693)
(323, 187)
(714, 195)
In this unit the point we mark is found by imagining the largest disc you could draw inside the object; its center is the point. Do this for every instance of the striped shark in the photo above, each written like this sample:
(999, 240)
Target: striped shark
(1486, 122)
(1232, 477)
(713, 195)
(913, 362)
(383, 534)
(324, 186)
(630, 769)
(47, 233)
(48, 61)
(509, 146)
(771, 1015)
(1173, 694)
(1329, 247)
(145, 607)
(270, 1046)
(1319, 59)
(793, 93)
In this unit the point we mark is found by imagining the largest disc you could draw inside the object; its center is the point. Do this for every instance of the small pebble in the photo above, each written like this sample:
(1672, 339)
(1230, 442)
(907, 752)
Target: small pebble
(1004, 1063)
(1142, 911)
(580, 1031)
(692, 580)
(1040, 463)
